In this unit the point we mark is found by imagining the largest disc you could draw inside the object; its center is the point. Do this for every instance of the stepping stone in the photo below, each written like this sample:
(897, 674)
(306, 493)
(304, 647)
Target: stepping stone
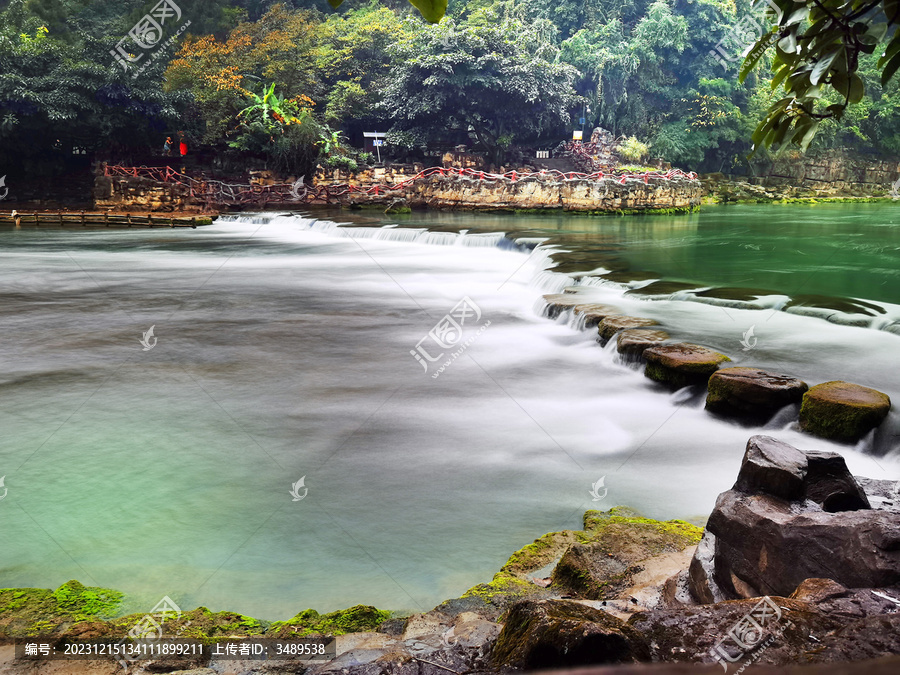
(594, 314)
(613, 324)
(633, 341)
(842, 411)
(752, 393)
(682, 364)
(557, 303)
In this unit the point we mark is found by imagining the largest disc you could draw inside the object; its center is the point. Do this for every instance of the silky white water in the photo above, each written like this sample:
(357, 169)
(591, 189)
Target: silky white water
(284, 353)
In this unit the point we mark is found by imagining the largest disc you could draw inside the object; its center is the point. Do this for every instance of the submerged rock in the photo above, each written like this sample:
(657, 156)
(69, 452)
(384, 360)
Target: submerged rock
(595, 313)
(562, 633)
(557, 303)
(792, 516)
(682, 364)
(842, 411)
(613, 324)
(634, 341)
(752, 393)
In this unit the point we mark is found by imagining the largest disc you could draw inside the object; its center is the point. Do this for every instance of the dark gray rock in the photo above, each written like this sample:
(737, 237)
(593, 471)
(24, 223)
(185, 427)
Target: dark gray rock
(563, 633)
(772, 467)
(751, 393)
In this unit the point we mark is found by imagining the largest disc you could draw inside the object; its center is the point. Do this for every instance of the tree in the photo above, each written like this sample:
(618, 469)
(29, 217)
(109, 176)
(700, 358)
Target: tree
(497, 82)
(279, 48)
(820, 46)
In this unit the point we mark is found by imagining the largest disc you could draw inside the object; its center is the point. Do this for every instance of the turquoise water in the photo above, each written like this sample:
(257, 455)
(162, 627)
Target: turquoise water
(284, 352)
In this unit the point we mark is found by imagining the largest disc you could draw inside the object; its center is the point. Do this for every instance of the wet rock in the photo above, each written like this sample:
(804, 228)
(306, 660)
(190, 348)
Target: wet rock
(752, 393)
(595, 313)
(772, 467)
(633, 341)
(563, 633)
(792, 516)
(682, 364)
(842, 411)
(613, 324)
(830, 484)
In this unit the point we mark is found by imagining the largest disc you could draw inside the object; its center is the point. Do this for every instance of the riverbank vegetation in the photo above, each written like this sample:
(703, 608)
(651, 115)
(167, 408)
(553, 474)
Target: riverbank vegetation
(297, 82)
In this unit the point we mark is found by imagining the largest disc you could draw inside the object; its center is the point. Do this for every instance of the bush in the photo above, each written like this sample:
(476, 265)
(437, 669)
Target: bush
(342, 162)
(633, 150)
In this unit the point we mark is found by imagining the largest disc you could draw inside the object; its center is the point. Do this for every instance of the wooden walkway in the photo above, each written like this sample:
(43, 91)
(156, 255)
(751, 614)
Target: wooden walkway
(88, 219)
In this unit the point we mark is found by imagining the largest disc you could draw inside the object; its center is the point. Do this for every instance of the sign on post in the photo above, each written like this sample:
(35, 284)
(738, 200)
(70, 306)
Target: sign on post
(377, 140)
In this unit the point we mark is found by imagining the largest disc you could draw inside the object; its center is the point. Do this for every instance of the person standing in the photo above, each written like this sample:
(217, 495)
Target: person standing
(182, 144)
(167, 146)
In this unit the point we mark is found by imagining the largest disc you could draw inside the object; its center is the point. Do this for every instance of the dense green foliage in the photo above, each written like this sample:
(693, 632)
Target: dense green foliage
(295, 82)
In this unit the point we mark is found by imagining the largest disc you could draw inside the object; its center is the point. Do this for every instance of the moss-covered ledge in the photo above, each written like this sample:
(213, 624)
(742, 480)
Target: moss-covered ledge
(618, 529)
(75, 611)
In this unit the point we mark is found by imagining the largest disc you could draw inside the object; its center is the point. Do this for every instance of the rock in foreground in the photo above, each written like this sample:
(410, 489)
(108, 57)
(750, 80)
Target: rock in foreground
(562, 633)
(793, 516)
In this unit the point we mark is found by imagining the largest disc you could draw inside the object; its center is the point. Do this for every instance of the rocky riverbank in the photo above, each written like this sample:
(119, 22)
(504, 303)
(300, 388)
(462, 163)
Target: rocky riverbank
(799, 564)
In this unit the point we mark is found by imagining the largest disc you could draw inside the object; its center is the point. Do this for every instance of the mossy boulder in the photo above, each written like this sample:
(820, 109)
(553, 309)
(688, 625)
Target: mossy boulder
(562, 633)
(613, 324)
(842, 411)
(751, 393)
(682, 364)
(620, 540)
(632, 342)
(621, 530)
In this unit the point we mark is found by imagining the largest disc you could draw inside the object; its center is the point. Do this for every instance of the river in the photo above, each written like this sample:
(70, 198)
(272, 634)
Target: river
(281, 351)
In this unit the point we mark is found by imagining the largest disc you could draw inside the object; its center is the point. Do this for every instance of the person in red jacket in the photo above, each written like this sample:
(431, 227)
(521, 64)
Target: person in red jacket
(182, 145)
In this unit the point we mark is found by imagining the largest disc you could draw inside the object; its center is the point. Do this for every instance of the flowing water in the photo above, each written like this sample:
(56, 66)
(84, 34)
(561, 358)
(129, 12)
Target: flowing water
(283, 352)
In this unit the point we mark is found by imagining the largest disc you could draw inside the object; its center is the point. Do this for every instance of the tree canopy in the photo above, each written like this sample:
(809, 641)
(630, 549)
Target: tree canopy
(702, 83)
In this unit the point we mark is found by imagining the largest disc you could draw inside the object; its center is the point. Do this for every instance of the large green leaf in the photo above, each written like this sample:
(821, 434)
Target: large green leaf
(821, 68)
(431, 10)
(335, 3)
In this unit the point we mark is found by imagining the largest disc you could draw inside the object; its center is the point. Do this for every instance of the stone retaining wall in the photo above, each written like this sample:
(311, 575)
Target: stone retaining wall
(445, 192)
(819, 175)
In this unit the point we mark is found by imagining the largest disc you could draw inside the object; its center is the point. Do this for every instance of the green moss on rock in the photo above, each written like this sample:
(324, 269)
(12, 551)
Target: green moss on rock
(356, 619)
(39, 611)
